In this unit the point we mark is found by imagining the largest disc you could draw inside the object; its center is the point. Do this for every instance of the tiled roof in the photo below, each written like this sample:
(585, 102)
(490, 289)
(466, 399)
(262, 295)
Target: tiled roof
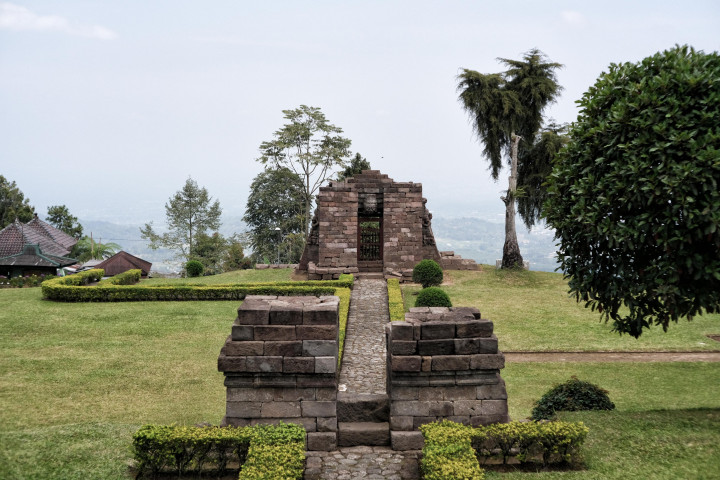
(122, 262)
(32, 256)
(51, 240)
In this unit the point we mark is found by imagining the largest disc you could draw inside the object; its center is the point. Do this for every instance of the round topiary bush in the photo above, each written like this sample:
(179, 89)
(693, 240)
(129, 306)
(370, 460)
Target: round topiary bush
(571, 396)
(194, 268)
(427, 273)
(432, 297)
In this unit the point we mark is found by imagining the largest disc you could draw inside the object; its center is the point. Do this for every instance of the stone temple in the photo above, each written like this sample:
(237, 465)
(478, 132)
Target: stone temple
(371, 223)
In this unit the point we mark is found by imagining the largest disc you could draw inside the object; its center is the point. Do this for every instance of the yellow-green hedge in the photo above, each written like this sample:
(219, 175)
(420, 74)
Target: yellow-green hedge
(263, 451)
(395, 300)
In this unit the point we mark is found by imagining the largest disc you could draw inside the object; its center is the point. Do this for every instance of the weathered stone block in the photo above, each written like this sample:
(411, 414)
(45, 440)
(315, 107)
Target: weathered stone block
(405, 363)
(274, 332)
(298, 365)
(243, 409)
(325, 364)
(450, 362)
(321, 314)
(401, 422)
(494, 407)
(402, 441)
(253, 312)
(440, 408)
(487, 361)
(436, 347)
(403, 347)
(404, 393)
(243, 348)
(327, 424)
(250, 394)
(319, 348)
(318, 409)
(280, 409)
(316, 332)
(468, 407)
(242, 332)
(473, 328)
(326, 393)
(494, 392)
(420, 421)
(264, 364)
(292, 348)
(285, 313)
(232, 364)
(402, 331)
(437, 330)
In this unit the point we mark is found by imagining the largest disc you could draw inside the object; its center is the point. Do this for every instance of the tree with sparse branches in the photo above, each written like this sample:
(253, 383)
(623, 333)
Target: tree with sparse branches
(310, 147)
(189, 212)
(506, 111)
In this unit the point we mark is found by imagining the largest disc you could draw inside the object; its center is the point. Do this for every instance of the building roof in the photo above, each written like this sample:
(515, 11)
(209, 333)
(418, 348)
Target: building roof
(33, 256)
(52, 241)
(122, 262)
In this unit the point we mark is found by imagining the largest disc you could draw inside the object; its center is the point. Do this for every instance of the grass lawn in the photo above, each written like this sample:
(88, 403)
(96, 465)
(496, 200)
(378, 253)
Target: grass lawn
(77, 379)
(237, 276)
(532, 311)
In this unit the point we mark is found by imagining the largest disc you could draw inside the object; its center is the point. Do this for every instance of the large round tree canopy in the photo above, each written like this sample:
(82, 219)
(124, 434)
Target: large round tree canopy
(635, 196)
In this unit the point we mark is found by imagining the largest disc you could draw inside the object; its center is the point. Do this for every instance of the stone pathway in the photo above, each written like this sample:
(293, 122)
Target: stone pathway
(363, 364)
(362, 462)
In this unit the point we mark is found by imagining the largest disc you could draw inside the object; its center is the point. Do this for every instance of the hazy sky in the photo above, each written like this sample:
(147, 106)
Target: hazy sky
(108, 107)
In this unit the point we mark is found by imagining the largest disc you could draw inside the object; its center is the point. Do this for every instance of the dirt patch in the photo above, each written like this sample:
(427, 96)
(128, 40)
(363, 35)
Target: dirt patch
(714, 337)
(524, 357)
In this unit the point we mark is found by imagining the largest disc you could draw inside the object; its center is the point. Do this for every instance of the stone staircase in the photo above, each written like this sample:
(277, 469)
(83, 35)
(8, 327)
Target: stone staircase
(363, 419)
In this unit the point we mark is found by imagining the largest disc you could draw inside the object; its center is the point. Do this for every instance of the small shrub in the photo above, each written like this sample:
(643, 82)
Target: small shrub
(194, 268)
(571, 396)
(432, 297)
(427, 273)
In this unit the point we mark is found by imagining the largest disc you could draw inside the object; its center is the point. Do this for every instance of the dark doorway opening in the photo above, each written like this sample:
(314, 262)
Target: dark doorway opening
(370, 244)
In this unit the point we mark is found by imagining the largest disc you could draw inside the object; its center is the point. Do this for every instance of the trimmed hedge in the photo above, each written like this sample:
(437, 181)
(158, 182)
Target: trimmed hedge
(427, 273)
(448, 452)
(70, 289)
(395, 300)
(452, 450)
(571, 396)
(433, 297)
(344, 295)
(262, 451)
(551, 442)
(131, 277)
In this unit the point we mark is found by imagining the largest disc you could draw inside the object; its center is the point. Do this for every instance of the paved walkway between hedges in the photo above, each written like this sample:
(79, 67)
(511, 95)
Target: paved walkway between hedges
(362, 462)
(363, 363)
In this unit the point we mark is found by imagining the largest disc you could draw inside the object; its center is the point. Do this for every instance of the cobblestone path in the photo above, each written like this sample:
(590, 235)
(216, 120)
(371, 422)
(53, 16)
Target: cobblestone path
(363, 364)
(362, 462)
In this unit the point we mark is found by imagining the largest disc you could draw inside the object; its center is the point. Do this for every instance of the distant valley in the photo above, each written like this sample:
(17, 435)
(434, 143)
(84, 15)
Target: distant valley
(470, 237)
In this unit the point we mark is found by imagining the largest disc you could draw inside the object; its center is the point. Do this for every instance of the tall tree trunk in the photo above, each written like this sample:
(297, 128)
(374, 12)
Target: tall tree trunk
(511, 249)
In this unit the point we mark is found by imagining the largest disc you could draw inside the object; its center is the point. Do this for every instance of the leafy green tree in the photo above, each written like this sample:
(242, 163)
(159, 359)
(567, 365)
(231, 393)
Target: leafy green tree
(189, 213)
(635, 196)
(276, 202)
(210, 251)
(13, 204)
(310, 147)
(59, 217)
(88, 249)
(504, 109)
(234, 258)
(357, 165)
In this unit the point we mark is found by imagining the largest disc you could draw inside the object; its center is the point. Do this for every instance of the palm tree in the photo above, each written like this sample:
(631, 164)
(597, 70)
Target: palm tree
(506, 109)
(87, 249)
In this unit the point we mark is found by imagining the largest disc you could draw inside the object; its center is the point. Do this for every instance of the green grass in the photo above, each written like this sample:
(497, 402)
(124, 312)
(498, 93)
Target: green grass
(77, 379)
(532, 311)
(236, 276)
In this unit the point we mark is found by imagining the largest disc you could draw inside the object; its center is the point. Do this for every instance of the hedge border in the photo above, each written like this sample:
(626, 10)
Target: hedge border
(263, 451)
(396, 304)
(452, 450)
(73, 289)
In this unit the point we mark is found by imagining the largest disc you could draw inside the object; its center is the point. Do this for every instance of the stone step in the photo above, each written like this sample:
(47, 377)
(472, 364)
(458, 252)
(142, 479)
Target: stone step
(352, 434)
(362, 407)
(370, 275)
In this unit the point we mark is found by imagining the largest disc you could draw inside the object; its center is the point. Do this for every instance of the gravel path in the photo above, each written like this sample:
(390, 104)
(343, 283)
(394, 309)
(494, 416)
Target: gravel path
(363, 364)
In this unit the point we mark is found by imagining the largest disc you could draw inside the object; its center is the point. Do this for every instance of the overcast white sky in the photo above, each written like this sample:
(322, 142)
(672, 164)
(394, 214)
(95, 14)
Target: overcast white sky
(107, 107)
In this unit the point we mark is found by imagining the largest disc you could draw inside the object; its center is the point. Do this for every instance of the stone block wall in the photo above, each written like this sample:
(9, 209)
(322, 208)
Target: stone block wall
(450, 261)
(280, 364)
(443, 363)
